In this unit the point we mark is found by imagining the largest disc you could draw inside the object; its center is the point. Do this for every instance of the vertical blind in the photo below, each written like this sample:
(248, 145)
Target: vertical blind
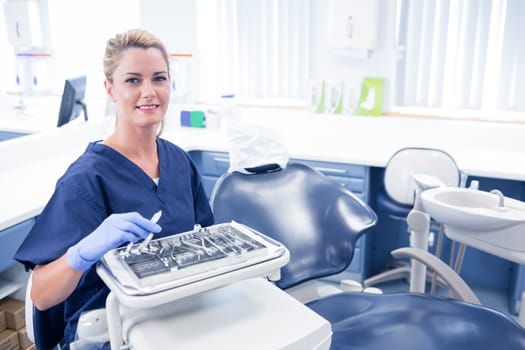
(461, 55)
(254, 49)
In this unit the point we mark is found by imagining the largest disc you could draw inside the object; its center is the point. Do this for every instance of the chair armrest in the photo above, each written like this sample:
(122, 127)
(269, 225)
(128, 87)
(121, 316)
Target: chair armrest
(29, 310)
(458, 286)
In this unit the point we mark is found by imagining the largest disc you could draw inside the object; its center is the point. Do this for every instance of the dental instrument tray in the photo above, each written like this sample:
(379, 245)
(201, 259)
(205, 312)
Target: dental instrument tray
(200, 259)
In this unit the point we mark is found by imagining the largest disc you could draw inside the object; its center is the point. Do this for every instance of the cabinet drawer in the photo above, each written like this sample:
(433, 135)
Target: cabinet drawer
(6, 135)
(363, 196)
(355, 265)
(208, 182)
(215, 163)
(337, 169)
(360, 242)
(10, 240)
(354, 184)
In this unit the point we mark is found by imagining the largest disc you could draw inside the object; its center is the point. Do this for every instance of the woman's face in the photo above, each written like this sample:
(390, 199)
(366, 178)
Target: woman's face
(140, 87)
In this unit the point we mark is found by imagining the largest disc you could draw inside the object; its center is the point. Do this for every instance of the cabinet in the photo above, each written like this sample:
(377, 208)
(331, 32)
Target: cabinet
(6, 135)
(10, 240)
(355, 178)
(353, 24)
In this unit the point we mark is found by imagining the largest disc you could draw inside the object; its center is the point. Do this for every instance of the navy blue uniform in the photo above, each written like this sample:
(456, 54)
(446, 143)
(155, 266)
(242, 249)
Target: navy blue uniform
(102, 182)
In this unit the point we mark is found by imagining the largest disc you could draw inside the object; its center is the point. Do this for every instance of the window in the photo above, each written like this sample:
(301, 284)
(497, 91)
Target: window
(465, 55)
(254, 49)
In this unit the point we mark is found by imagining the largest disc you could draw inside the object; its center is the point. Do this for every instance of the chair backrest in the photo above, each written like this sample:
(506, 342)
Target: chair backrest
(293, 205)
(398, 181)
(44, 328)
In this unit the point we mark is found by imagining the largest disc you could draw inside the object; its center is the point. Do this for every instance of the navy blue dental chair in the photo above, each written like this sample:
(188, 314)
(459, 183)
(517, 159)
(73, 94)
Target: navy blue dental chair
(320, 222)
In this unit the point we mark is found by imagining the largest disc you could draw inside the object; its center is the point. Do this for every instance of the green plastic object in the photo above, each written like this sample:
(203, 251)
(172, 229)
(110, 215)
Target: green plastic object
(197, 119)
(371, 98)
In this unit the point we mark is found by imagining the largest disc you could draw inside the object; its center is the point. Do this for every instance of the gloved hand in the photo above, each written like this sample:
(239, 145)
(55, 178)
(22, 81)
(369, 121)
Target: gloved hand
(115, 230)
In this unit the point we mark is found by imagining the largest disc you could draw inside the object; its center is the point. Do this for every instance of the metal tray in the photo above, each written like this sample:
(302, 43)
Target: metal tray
(197, 256)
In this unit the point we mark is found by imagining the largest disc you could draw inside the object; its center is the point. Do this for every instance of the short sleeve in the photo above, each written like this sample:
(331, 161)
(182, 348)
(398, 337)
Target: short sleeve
(66, 219)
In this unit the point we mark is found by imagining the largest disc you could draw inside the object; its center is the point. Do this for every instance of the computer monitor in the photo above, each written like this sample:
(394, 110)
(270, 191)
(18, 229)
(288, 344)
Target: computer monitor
(72, 103)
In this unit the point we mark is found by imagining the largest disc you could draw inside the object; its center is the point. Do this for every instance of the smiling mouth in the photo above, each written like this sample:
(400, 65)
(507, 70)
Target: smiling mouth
(147, 107)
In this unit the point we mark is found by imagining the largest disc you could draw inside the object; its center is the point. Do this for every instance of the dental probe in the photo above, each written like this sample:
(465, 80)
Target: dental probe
(155, 218)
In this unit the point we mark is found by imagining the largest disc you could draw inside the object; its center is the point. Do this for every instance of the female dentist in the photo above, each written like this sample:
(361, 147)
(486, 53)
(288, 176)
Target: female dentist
(106, 196)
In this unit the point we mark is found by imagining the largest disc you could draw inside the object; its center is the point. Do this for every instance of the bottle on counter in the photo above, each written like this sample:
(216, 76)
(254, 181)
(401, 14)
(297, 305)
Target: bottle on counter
(224, 113)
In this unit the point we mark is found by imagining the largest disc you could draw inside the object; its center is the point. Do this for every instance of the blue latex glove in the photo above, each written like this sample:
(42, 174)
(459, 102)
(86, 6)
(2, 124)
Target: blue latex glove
(114, 231)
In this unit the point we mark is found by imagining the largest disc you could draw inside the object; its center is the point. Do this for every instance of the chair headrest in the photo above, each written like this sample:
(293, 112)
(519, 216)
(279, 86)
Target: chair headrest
(263, 169)
(254, 146)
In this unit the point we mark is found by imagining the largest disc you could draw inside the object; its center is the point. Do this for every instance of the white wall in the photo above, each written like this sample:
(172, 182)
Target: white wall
(325, 64)
(175, 25)
(7, 54)
(174, 22)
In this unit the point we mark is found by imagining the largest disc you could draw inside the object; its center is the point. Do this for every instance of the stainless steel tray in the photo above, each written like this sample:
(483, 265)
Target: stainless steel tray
(192, 257)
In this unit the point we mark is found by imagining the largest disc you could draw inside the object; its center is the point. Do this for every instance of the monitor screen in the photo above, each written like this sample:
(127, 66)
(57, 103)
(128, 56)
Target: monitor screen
(72, 104)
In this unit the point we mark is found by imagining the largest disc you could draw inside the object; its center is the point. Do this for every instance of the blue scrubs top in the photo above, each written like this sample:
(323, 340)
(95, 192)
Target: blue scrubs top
(102, 182)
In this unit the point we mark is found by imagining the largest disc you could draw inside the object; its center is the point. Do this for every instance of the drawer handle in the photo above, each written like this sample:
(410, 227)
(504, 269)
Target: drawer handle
(331, 170)
(224, 160)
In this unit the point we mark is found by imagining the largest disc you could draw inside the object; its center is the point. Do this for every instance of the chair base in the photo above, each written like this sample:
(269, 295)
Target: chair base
(398, 273)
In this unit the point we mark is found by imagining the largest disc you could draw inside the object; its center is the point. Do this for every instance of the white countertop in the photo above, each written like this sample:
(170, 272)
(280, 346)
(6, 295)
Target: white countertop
(30, 165)
(40, 113)
(479, 148)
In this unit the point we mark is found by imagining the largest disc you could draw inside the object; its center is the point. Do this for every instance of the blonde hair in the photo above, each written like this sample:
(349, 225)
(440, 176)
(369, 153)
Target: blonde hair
(138, 38)
(132, 38)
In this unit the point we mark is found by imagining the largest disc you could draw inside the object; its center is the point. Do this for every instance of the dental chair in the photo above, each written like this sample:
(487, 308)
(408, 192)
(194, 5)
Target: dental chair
(396, 199)
(44, 328)
(320, 222)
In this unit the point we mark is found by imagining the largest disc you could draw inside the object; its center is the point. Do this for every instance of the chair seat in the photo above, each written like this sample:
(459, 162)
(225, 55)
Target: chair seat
(388, 205)
(415, 321)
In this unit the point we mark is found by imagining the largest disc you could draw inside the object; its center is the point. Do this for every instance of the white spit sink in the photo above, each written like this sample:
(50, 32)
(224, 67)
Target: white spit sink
(486, 220)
